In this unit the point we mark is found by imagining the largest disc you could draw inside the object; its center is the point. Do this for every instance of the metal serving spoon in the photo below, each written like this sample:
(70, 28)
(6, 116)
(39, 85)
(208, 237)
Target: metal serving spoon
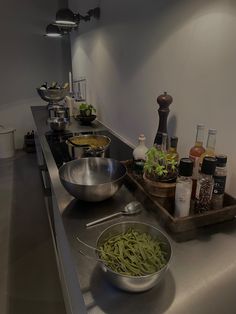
(131, 208)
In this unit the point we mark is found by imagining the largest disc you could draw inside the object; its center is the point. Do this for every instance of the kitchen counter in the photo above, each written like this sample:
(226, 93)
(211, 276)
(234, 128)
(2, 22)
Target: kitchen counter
(202, 274)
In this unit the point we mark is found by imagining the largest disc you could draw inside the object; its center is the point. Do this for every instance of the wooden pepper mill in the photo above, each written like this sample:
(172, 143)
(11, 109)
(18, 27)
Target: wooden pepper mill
(164, 100)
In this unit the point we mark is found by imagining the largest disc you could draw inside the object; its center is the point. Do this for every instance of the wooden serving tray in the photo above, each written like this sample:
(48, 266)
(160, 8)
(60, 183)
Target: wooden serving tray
(184, 225)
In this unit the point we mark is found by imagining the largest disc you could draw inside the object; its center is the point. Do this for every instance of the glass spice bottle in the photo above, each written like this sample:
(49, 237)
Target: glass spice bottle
(139, 154)
(172, 151)
(219, 182)
(164, 145)
(195, 152)
(205, 184)
(210, 146)
(183, 188)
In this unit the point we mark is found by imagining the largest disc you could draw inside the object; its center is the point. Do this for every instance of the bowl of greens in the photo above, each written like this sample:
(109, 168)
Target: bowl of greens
(134, 256)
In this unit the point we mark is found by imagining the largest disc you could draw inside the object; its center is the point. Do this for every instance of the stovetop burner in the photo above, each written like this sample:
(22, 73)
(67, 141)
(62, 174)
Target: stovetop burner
(58, 146)
(58, 136)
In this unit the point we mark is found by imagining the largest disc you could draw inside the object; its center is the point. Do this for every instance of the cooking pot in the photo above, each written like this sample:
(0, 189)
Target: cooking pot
(88, 145)
(7, 143)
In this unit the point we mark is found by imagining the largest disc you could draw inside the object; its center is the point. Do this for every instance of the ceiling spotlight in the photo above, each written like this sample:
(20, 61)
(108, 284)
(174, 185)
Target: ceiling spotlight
(53, 31)
(66, 21)
(66, 17)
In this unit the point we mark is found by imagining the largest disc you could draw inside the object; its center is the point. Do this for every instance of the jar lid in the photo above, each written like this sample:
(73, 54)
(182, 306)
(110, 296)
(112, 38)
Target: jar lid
(200, 126)
(142, 137)
(4, 130)
(212, 131)
(208, 165)
(221, 160)
(186, 167)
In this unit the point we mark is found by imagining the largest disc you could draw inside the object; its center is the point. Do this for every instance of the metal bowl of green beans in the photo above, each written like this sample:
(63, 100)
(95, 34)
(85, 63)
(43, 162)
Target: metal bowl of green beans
(133, 255)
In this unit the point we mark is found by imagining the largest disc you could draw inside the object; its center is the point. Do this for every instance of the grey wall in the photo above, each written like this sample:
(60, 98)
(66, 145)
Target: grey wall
(138, 49)
(27, 59)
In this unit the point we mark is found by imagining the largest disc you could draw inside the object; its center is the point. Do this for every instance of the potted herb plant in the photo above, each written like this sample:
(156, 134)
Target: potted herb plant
(87, 113)
(160, 172)
(86, 110)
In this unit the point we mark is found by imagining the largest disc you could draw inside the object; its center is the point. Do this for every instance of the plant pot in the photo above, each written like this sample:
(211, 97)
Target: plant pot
(86, 120)
(85, 112)
(158, 188)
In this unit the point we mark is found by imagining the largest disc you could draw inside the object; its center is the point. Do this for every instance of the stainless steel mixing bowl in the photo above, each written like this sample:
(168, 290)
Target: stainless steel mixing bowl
(132, 283)
(52, 95)
(92, 179)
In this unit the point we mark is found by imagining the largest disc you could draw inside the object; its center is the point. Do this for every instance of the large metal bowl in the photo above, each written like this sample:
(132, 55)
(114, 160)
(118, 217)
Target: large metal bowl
(92, 179)
(52, 95)
(80, 151)
(132, 283)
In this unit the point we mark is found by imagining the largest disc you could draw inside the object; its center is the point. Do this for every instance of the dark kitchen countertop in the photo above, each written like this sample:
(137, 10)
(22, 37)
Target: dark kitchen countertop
(202, 274)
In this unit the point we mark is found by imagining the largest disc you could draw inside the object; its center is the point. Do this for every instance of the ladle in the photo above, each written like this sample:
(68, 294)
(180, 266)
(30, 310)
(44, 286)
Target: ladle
(131, 208)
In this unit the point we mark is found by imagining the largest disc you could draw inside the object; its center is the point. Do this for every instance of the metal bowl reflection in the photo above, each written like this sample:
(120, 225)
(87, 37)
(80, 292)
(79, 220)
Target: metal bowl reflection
(132, 283)
(92, 179)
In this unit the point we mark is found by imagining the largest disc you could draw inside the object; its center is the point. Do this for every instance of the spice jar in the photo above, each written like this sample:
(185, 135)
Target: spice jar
(183, 188)
(139, 154)
(205, 185)
(219, 182)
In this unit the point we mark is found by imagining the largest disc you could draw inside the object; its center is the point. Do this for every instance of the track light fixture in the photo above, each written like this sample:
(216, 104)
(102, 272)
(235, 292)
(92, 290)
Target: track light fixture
(66, 17)
(66, 21)
(56, 31)
(53, 31)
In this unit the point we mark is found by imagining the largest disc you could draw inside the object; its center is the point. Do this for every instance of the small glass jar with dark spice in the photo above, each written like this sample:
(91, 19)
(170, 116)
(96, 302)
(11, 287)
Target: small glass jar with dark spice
(205, 184)
(219, 182)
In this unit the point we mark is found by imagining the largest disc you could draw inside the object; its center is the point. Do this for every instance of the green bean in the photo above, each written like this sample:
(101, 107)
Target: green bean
(133, 253)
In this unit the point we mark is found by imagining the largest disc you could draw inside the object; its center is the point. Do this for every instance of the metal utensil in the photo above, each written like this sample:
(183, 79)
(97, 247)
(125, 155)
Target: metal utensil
(131, 208)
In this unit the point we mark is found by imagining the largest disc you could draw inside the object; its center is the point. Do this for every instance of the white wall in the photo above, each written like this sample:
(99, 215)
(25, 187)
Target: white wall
(27, 59)
(138, 49)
